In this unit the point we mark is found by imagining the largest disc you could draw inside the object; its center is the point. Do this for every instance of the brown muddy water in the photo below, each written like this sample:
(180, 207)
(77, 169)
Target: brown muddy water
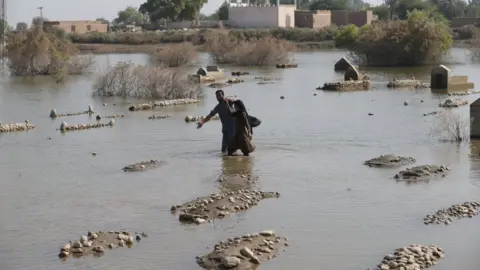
(337, 213)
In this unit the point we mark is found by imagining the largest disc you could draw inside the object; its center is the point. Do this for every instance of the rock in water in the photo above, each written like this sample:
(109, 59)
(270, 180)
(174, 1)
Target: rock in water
(230, 262)
(389, 161)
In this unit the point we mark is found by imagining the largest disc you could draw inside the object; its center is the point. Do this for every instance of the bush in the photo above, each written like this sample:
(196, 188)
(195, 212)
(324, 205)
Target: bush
(346, 35)
(450, 127)
(227, 49)
(176, 55)
(466, 32)
(421, 39)
(40, 51)
(158, 83)
(198, 37)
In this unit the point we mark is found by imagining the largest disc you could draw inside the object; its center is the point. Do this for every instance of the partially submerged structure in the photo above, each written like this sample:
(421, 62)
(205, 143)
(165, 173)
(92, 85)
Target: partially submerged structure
(442, 79)
(343, 65)
(352, 74)
(475, 119)
(208, 74)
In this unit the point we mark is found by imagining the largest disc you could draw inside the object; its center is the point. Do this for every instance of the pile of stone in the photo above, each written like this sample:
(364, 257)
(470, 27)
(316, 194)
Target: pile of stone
(389, 161)
(142, 166)
(408, 83)
(244, 252)
(265, 82)
(412, 257)
(54, 114)
(65, 127)
(220, 205)
(97, 242)
(287, 65)
(345, 86)
(16, 127)
(421, 172)
(218, 85)
(163, 103)
(239, 73)
(234, 81)
(474, 92)
(430, 113)
(453, 103)
(99, 117)
(163, 116)
(267, 78)
(199, 118)
(457, 211)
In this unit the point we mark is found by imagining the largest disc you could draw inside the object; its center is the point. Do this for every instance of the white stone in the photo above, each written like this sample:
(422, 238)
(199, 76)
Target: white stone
(63, 126)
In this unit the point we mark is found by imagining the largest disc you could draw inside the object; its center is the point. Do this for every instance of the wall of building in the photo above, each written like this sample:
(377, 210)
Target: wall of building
(303, 18)
(254, 16)
(358, 18)
(82, 27)
(312, 19)
(286, 16)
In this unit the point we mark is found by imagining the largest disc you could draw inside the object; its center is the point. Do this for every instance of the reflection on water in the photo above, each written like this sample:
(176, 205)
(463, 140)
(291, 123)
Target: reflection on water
(237, 173)
(338, 213)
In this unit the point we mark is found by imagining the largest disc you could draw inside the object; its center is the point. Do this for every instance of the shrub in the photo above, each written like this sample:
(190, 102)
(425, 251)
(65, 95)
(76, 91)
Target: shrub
(450, 127)
(158, 83)
(227, 48)
(346, 35)
(466, 32)
(39, 51)
(198, 37)
(176, 55)
(420, 39)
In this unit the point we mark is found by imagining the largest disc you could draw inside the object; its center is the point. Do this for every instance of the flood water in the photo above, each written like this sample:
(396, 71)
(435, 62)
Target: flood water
(337, 213)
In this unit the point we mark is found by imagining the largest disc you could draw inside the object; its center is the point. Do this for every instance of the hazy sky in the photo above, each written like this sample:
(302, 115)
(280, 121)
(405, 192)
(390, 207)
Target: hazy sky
(62, 10)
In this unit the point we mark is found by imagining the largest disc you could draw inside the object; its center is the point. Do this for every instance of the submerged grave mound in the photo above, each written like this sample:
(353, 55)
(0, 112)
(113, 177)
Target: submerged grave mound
(16, 127)
(220, 205)
(412, 257)
(449, 103)
(99, 117)
(190, 118)
(244, 252)
(156, 117)
(239, 73)
(142, 166)
(456, 211)
(345, 86)
(54, 114)
(235, 81)
(162, 103)
(66, 127)
(218, 85)
(389, 161)
(411, 83)
(422, 172)
(97, 242)
(464, 93)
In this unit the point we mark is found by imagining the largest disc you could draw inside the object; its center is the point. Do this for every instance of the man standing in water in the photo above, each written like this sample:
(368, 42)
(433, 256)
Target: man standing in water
(224, 112)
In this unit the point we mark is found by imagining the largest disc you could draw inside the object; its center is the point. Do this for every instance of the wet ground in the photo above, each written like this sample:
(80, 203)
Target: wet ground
(337, 213)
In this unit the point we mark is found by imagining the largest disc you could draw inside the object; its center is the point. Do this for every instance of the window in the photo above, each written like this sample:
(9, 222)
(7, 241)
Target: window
(89, 28)
(73, 29)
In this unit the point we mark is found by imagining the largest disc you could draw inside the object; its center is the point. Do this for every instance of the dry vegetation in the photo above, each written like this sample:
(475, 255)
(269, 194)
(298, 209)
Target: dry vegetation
(41, 51)
(450, 127)
(159, 83)
(176, 55)
(228, 49)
